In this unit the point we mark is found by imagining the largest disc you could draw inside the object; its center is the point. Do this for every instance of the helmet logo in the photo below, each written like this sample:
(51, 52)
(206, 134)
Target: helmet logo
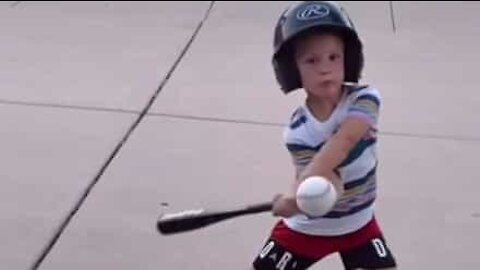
(313, 11)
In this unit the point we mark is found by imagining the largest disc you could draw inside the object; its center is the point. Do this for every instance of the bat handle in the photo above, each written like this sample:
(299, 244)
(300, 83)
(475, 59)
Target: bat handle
(262, 207)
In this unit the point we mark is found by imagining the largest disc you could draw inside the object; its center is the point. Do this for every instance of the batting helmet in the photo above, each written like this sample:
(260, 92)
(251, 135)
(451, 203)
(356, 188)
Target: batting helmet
(313, 16)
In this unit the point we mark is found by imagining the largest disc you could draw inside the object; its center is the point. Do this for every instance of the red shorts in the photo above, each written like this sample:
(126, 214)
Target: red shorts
(290, 250)
(317, 247)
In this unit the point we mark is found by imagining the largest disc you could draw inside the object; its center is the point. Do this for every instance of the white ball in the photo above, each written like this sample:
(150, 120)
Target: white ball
(316, 196)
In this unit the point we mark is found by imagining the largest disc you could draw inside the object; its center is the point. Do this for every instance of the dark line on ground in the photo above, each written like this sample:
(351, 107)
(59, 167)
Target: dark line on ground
(14, 4)
(222, 120)
(392, 16)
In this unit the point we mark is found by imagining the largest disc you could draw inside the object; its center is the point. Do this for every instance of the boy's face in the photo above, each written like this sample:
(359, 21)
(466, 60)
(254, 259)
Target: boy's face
(320, 61)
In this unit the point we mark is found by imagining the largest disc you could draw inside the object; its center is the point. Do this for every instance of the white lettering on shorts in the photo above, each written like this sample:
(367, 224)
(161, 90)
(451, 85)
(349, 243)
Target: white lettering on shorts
(283, 261)
(379, 247)
(266, 249)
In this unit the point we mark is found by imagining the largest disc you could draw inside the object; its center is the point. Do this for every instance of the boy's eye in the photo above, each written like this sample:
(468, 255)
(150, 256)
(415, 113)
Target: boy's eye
(311, 60)
(334, 57)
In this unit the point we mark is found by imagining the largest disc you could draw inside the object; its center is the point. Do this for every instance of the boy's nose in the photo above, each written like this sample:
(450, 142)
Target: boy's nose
(324, 71)
(323, 68)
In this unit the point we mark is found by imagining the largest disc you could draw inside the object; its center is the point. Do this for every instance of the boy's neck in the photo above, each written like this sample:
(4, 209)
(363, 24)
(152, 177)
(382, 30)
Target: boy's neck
(322, 108)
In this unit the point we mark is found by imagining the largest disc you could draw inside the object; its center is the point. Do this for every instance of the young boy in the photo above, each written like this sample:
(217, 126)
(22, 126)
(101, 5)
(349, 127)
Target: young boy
(332, 135)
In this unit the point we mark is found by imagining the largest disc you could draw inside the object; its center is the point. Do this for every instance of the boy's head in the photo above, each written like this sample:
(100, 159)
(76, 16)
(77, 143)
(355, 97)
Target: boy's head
(315, 24)
(319, 59)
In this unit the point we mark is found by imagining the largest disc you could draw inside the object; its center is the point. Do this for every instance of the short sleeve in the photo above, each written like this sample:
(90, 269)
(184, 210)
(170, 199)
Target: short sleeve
(366, 106)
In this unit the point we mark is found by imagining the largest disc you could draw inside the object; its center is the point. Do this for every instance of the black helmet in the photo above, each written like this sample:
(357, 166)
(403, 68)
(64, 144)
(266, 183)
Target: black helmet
(313, 16)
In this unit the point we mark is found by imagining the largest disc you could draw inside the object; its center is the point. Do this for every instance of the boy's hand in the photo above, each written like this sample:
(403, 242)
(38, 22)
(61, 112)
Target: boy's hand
(284, 206)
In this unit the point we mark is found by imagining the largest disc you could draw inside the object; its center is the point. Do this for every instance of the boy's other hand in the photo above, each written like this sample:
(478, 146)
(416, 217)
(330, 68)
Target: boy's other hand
(284, 206)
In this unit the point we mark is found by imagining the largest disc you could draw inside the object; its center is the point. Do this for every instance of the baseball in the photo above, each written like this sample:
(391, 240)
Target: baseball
(316, 196)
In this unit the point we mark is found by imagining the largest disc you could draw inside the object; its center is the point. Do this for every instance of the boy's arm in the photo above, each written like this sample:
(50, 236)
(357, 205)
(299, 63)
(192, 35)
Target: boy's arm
(333, 153)
(362, 116)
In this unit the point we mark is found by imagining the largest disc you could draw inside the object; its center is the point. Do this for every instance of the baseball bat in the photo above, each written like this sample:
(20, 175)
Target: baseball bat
(195, 219)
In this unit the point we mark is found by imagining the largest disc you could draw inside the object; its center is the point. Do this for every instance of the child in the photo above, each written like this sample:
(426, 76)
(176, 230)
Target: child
(332, 135)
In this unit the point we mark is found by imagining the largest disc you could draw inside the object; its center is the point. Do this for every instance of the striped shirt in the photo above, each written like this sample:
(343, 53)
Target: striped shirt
(306, 135)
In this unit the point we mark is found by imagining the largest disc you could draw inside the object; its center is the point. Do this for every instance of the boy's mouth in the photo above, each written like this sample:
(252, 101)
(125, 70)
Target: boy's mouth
(327, 82)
